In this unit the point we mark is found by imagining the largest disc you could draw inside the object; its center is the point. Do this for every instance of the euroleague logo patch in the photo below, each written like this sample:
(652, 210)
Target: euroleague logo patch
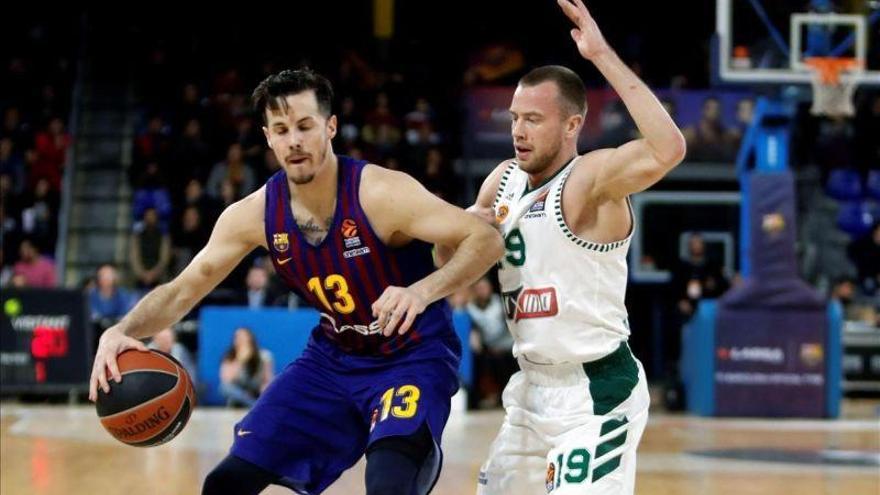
(349, 228)
(350, 238)
(551, 477)
(503, 210)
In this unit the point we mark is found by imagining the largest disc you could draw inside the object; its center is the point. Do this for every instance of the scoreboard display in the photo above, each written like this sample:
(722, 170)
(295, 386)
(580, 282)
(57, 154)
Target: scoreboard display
(45, 340)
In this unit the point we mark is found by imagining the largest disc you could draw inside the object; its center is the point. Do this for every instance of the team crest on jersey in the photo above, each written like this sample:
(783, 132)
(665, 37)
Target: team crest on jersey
(550, 480)
(523, 304)
(503, 210)
(280, 242)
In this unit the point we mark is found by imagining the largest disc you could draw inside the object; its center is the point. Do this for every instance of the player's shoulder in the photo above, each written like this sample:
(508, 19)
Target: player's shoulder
(377, 181)
(585, 169)
(491, 184)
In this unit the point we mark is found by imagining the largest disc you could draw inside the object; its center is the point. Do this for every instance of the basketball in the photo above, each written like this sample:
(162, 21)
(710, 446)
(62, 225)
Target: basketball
(152, 403)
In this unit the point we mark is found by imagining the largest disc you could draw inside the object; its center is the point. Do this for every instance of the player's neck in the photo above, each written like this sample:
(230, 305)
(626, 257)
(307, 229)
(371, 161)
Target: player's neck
(322, 188)
(562, 159)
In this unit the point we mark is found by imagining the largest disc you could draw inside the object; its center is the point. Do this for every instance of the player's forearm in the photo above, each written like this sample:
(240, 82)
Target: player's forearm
(160, 308)
(442, 254)
(655, 124)
(471, 259)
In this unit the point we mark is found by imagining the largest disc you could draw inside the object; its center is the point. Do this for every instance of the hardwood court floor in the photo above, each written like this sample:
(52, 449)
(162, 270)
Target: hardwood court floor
(49, 450)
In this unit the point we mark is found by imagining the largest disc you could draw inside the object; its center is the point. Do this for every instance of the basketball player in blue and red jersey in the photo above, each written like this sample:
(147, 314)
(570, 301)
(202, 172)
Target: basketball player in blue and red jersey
(352, 239)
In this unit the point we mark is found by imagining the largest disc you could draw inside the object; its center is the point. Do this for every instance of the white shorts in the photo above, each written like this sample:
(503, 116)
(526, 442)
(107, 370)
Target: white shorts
(570, 429)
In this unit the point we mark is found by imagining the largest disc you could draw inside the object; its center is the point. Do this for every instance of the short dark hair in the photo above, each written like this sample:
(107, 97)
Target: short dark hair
(572, 91)
(271, 91)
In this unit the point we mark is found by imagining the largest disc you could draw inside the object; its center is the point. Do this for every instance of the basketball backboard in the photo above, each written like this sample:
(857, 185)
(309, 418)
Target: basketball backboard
(768, 41)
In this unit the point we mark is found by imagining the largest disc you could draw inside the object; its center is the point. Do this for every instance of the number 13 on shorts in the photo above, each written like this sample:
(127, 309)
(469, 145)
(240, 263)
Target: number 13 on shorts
(397, 402)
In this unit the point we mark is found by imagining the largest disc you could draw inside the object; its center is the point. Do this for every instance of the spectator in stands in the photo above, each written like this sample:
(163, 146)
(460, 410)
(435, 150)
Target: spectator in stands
(258, 292)
(228, 194)
(154, 144)
(10, 215)
(270, 166)
(350, 123)
(12, 164)
(191, 106)
(15, 129)
(6, 271)
(246, 370)
(190, 236)
(865, 254)
(166, 341)
(382, 141)
(194, 195)
(706, 140)
(150, 251)
(694, 278)
(191, 157)
(107, 300)
(494, 359)
(152, 192)
(51, 149)
(233, 170)
(697, 277)
(745, 114)
(251, 139)
(421, 114)
(39, 215)
(34, 269)
(381, 113)
(437, 176)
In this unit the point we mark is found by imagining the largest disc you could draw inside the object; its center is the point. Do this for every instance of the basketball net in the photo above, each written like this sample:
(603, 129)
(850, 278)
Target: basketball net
(832, 95)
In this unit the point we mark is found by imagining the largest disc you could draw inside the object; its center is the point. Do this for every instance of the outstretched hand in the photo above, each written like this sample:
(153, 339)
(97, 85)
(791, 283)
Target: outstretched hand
(586, 34)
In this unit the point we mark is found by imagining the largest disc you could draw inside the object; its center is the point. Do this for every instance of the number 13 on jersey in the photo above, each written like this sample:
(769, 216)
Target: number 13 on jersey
(344, 303)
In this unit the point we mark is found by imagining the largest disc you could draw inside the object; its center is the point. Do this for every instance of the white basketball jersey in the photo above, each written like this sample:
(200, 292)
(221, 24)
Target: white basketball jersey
(564, 296)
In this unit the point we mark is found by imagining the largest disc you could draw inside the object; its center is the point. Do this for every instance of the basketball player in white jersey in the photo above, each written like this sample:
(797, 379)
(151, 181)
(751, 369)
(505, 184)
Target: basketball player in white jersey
(576, 411)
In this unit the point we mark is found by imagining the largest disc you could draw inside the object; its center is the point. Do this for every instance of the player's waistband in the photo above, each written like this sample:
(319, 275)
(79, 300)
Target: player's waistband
(565, 374)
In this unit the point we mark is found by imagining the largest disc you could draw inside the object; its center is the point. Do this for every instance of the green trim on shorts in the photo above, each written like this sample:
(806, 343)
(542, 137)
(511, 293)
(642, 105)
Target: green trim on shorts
(612, 379)
(606, 468)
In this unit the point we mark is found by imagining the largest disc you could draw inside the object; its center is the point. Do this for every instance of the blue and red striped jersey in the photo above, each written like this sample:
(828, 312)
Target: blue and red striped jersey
(343, 275)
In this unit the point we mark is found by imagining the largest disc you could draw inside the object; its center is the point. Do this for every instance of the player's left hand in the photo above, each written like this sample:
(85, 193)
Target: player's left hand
(398, 304)
(586, 34)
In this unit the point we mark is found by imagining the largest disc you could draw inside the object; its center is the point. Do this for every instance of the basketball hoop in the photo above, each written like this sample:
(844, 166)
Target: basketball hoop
(832, 95)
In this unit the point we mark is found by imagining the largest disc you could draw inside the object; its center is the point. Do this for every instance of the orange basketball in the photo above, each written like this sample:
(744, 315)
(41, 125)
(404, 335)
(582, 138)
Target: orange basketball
(152, 403)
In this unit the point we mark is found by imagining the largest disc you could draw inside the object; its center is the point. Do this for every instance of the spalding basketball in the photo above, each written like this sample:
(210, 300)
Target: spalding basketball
(151, 404)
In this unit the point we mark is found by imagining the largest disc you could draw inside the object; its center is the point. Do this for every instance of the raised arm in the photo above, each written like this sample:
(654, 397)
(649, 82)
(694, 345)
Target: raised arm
(638, 164)
(407, 210)
(237, 233)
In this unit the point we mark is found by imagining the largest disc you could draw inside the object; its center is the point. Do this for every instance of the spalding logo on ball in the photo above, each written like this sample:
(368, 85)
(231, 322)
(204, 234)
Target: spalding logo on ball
(152, 403)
